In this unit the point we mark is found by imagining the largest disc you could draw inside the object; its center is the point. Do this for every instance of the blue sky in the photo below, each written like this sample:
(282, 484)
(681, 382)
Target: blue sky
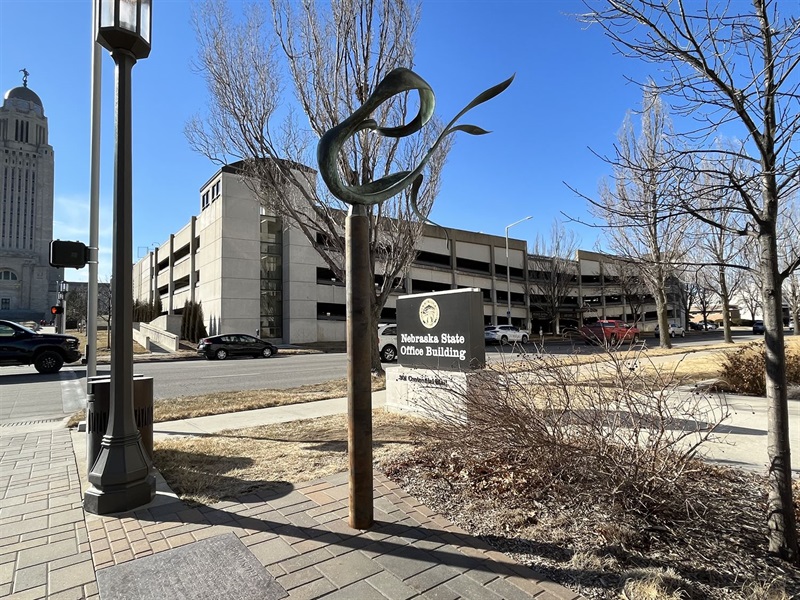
(570, 94)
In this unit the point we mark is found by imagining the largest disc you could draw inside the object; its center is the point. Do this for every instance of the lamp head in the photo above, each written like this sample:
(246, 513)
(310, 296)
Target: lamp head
(125, 25)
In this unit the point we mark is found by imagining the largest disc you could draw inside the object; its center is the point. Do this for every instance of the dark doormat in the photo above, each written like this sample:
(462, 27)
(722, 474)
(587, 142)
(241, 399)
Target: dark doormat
(217, 567)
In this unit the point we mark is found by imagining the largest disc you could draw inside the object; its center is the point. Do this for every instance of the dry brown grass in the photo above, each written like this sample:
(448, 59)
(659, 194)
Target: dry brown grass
(103, 342)
(232, 463)
(228, 402)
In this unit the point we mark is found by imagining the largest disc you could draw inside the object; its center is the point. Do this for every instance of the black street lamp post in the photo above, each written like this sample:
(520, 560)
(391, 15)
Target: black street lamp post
(122, 477)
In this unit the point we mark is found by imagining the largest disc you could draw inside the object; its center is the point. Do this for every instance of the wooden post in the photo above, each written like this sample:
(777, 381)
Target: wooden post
(360, 340)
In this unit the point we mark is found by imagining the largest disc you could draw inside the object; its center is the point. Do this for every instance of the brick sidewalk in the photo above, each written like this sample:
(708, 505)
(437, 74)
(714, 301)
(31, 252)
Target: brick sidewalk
(44, 545)
(50, 549)
(300, 534)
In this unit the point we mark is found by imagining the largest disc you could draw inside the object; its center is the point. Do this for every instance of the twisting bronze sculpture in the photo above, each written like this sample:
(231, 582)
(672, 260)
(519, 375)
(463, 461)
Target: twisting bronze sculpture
(396, 82)
(360, 336)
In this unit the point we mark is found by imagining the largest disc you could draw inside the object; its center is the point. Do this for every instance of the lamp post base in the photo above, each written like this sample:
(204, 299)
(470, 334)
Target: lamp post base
(121, 477)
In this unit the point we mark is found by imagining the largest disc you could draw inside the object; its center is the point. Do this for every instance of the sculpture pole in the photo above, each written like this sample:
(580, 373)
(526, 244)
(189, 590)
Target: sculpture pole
(361, 337)
(360, 341)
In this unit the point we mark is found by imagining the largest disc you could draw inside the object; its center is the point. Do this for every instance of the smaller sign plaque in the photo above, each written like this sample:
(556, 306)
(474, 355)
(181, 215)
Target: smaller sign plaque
(441, 330)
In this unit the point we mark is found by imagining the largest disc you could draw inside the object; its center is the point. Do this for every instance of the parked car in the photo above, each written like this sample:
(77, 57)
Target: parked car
(758, 327)
(674, 329)
(695, 326)
(47, 352)
(504, 334)
(610, 331)
(387, 342)
(709, 326)
(227, 345)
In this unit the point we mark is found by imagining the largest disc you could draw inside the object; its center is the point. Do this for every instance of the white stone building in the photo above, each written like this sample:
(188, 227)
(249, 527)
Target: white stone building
(253, 273)
(28, 284)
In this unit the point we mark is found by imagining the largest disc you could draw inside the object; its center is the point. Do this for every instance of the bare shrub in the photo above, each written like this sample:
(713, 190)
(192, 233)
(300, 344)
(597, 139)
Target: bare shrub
(603, 430)
(772, 590)
(652, 584)
(743, 371)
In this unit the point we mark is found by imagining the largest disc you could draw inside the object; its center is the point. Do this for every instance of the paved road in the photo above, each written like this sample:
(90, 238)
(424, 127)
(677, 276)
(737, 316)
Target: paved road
(189, 378)
(27, 396)
(194, 377)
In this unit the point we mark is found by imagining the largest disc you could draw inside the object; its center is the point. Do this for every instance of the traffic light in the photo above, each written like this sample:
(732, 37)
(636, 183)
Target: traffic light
(73, 255)
(56, 310)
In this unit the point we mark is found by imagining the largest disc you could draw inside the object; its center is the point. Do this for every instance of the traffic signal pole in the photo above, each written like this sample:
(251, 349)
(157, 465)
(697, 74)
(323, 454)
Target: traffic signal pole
(63, 319)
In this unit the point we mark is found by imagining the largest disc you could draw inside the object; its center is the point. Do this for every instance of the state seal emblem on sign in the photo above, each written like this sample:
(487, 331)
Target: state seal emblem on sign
(429, 313)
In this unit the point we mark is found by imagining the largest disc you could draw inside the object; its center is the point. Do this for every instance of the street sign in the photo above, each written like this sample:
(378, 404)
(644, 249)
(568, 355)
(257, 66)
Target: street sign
(72, 255)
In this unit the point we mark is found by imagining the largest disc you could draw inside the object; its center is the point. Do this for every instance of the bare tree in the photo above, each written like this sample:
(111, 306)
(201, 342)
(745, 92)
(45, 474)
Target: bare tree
(685, 288)
(554, 263)
(721, 248)
(633, 288)
(707, 299)
(750, 294)
(789, 245)
(734, 65)
(792, 289)
(76, 304)
(334, 58)
(640, 226)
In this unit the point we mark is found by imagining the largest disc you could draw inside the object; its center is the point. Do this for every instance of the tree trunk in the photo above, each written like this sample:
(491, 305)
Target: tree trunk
(663, 323)
(782, 527)
(723, 293)
(795, 315)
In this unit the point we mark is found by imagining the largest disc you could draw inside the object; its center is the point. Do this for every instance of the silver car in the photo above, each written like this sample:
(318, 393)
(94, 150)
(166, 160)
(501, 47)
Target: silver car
(504, 334)
(674, 329)
(387, 342)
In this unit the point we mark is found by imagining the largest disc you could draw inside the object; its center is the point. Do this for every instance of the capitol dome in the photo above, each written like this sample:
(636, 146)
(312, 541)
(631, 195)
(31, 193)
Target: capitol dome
(23, 93)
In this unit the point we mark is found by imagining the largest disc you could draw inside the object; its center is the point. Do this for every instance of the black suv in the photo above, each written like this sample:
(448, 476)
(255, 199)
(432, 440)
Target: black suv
(46, 351)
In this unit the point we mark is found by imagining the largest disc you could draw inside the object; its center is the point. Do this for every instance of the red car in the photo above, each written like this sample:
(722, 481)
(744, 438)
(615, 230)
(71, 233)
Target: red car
(610, 331)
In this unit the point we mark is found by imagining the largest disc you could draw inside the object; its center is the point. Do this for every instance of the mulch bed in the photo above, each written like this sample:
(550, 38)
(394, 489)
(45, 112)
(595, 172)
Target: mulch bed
(712, 546)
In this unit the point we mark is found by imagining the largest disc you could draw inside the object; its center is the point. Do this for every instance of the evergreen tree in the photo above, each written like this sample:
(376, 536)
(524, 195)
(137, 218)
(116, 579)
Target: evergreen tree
(200, 325)
(185, 316)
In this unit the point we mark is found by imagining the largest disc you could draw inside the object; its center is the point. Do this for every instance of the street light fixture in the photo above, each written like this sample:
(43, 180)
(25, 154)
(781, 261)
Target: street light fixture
(508, 270)
(122, 475)
(63, 290)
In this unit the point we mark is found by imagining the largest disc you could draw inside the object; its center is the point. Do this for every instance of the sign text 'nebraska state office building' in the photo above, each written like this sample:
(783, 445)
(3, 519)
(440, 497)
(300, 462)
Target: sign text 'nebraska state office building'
(441, 330)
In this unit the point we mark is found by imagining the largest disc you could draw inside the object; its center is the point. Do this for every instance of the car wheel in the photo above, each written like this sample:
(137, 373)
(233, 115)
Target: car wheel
(504, 340)
(613, 339)
(524, 339)
(389, 353)
(683, 333)
(266, 352)
(672, 334)
(48, 362)
(221, 354)
(635, 338)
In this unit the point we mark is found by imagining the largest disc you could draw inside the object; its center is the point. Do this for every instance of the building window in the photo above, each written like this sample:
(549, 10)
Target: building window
(7, 275)
(215, 189)
(271, 323)
(5, 304)
(204, 202)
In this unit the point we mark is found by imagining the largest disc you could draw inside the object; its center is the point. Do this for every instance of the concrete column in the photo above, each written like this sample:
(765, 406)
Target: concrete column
(171, 292)
(192, 258)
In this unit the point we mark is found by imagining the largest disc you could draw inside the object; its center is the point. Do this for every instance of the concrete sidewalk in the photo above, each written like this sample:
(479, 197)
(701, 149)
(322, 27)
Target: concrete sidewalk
(296, 535)
(262, 416)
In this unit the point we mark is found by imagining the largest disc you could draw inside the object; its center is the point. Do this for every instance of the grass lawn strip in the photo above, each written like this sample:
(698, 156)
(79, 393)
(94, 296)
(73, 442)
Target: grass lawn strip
(235, 462)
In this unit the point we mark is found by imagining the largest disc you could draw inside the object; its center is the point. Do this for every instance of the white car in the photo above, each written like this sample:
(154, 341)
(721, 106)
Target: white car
(504, 334)
(387, 342)
(674, 329)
